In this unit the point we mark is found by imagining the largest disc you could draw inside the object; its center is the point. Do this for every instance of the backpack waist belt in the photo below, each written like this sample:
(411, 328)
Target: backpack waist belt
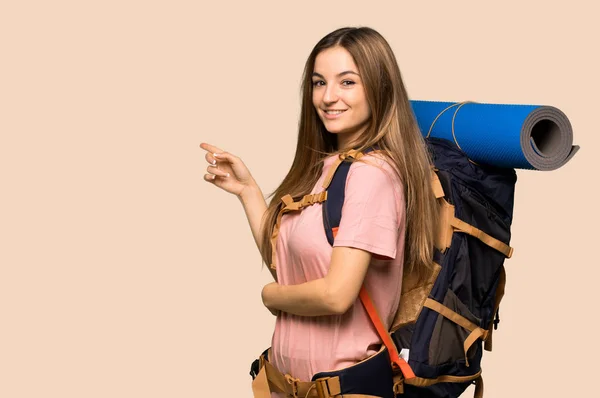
(370, 378)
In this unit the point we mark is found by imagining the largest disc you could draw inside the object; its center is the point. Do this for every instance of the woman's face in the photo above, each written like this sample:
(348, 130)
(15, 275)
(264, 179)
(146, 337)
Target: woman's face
(339, 95)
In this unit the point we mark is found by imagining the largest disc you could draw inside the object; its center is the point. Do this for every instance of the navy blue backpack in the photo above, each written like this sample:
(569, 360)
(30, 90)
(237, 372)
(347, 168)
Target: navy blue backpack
(442, 326)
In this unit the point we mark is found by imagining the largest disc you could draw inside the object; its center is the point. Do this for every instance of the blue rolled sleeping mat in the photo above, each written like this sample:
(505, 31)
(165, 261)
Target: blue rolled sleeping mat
(535, 137)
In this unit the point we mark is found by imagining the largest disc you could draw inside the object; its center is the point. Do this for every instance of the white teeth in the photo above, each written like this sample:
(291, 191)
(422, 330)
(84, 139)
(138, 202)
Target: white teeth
(334, 112)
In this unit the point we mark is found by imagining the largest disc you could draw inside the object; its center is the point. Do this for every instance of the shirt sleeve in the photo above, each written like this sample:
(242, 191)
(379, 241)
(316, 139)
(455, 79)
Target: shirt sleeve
(373, 210)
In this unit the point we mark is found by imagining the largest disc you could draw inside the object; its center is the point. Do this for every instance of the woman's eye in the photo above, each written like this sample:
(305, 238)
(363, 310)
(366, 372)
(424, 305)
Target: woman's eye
(344, 83)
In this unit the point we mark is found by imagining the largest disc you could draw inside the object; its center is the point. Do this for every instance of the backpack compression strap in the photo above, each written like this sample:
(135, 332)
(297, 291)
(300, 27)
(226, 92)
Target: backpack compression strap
(450, 223)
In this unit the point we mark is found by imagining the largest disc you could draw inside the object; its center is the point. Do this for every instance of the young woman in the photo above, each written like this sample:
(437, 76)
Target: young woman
(353, 98)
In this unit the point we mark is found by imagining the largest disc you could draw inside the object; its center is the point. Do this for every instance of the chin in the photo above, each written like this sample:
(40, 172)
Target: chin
(335, 129)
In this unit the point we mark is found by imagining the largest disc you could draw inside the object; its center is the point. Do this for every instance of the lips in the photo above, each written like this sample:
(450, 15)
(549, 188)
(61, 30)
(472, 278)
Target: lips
(333, 113)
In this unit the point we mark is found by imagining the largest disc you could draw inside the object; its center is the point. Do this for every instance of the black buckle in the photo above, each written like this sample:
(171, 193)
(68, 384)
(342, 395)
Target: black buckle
(497, 320)
(254, 369)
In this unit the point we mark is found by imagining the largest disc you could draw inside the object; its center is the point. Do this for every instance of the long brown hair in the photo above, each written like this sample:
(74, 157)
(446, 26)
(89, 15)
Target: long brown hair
(392, 127)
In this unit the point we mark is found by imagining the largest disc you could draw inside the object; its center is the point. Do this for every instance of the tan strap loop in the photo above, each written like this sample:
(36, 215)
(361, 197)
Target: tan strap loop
(423, 382)
(398, 384)
(285, 209)
(436, 185)
(473, 336)
(352, 153)
(342, 156)
(494, 243)
(448, 313)
(331, 172)
(287, 200)
(476, 331)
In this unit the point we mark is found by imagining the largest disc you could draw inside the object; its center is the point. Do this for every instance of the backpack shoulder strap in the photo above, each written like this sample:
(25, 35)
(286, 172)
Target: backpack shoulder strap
(335, 184)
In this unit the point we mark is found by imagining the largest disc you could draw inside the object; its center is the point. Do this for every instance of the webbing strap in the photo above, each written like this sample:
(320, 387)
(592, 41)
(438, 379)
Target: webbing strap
(422, 382)
(473, 336)
(476, 331)
(350, 154)
(436, 185)
(384, 335)
(462, 226)
(448, 313)
(290, 205)
(269, 376)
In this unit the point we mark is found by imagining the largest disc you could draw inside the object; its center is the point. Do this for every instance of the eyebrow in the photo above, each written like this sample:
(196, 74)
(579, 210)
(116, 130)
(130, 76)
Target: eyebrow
(339, 74)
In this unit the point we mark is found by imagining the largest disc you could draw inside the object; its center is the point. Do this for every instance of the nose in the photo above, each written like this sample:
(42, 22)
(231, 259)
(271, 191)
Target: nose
(331, 94)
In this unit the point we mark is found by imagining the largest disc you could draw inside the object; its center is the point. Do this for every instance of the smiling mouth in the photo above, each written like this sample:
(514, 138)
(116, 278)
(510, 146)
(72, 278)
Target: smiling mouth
(335, 112)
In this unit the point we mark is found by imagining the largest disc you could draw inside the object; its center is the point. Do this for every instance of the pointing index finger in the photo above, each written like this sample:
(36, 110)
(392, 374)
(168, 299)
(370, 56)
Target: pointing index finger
(210, 148)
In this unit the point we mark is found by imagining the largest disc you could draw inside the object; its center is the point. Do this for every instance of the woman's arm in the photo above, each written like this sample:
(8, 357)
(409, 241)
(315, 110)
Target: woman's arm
(372, 220)
(332, 295)
(255, 206)
(229, 173)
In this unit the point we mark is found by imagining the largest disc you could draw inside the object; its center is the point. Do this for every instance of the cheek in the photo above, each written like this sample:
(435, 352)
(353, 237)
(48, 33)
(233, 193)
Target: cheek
(359, 103)
(356, 99)
(365, 106)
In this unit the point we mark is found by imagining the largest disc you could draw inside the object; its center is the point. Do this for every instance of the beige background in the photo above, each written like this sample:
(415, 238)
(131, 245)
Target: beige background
(124, 274)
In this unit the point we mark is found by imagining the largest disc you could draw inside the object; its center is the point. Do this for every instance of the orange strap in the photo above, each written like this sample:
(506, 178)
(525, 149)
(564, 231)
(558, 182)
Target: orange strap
(385, 336)
(405, 368)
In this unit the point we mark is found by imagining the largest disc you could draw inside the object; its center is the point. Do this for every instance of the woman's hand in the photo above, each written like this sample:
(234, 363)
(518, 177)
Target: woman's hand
(226, 171)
